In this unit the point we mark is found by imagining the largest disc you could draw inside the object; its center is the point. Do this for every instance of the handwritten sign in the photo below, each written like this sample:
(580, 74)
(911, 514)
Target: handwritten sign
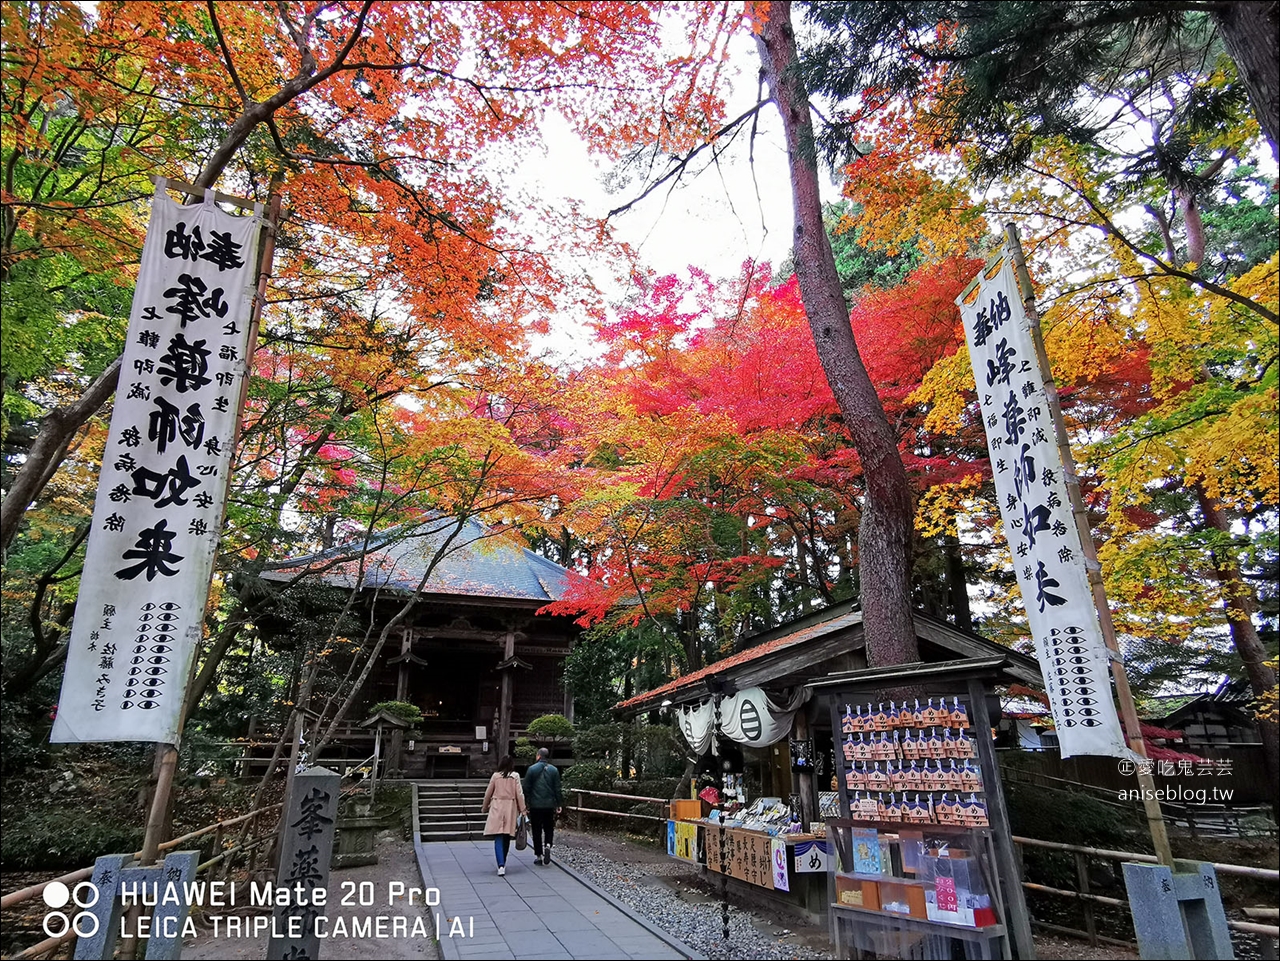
(158, 512)
(748, 855)
(1036, 511)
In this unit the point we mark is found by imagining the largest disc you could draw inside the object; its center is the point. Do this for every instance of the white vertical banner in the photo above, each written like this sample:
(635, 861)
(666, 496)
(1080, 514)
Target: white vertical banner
(1048, 557)
(140, 611)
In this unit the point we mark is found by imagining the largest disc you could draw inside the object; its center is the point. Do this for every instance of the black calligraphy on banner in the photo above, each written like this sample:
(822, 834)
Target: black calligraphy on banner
(165, 467)
(1026, 465)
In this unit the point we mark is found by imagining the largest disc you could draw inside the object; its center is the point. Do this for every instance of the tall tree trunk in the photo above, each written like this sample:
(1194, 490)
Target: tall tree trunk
(1239, 603)
(687, 631)
(884, 536)
(1193, 223)
(52, 442)
(1250, 31)
(957, 587)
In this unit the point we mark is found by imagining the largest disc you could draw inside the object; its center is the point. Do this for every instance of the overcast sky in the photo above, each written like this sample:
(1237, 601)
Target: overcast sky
(714, 219)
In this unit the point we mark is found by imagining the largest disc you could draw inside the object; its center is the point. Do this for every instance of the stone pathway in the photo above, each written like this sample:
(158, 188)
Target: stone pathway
(533, 912)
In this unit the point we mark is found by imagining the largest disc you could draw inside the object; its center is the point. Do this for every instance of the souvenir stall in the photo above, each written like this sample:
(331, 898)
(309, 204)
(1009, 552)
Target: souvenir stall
(922, 861)
(759, 841)
(767, 753)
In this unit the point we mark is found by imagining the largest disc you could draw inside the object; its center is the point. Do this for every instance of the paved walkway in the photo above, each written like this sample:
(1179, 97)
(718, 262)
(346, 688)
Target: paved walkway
(533, 912)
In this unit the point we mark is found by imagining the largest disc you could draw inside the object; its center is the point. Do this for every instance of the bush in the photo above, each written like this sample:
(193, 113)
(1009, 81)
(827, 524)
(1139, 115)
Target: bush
(658, 751)
(49, 841)
(552, 727)
(400, 709)
(600, 742)
(1070, 818)
(1073, 818)
(589, 776)
(524, 750)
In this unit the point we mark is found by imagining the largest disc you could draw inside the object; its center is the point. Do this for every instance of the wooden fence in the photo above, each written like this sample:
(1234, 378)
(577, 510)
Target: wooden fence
(1089, 900)
(579, 810)
(249, 844)
(1081, 855)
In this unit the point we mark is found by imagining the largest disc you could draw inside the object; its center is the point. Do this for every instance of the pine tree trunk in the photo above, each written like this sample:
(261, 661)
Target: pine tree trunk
(1250, 31)
(884, 536)
(957, 587)
(1239, 603)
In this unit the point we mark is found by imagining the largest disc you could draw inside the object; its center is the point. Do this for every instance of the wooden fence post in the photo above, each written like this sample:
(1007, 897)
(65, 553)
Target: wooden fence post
(577, 815)
(1082, 880)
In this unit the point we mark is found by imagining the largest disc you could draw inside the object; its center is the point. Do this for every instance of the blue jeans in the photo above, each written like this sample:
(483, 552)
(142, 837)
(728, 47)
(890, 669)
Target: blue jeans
(501, 848)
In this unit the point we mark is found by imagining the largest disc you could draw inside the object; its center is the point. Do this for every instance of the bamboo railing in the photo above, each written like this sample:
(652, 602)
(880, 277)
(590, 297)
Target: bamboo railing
(246, 844)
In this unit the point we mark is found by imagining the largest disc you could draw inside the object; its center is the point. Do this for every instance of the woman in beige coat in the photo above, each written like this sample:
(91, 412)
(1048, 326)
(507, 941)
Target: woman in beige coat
(504, 803)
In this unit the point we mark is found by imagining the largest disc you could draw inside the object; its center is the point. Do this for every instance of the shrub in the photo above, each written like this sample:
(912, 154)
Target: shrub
(45, 838)
(658, 751)
(589, 776)
(600, 742)
(524, 750)
(551, 727)
(401, 709)
(664, 787)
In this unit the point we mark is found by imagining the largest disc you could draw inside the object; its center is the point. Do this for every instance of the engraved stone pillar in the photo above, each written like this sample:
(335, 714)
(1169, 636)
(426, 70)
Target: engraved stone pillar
(311, 815)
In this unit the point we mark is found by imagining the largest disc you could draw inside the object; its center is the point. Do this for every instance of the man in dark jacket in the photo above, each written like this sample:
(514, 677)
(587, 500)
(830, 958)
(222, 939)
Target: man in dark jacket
(544, 799)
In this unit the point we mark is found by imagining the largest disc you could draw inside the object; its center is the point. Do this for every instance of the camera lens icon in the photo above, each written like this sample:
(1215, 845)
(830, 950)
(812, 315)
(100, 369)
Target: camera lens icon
(57, 923)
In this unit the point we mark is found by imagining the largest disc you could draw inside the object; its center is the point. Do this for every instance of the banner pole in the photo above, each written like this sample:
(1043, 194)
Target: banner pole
(1128, 710)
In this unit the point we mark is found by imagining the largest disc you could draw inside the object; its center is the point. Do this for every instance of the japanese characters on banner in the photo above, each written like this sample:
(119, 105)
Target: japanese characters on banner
(1036, 510)
(812, 857)
(164, 472)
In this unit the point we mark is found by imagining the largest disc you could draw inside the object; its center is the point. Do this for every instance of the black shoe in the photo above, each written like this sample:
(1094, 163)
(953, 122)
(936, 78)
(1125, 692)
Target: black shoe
(546, 858)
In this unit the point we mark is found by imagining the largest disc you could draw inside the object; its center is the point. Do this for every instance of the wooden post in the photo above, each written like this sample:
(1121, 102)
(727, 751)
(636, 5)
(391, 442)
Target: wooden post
(1128, 711)
(1018, 922)
(395, 753)
(253, 851)
(504, 702)
(808, 797)
(166, 766)
(1082, 884)
(377, 756)
(578, 813)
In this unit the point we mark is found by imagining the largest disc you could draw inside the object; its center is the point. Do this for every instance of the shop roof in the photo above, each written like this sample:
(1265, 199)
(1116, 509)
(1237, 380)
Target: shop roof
(475, 564)
(1229, 697)
(804, 650)
(754, 653)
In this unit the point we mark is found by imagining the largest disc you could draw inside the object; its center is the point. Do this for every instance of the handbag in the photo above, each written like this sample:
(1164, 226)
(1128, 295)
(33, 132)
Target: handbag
(522, 833)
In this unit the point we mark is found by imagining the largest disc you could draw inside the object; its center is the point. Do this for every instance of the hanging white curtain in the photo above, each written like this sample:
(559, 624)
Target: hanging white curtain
(749, 717)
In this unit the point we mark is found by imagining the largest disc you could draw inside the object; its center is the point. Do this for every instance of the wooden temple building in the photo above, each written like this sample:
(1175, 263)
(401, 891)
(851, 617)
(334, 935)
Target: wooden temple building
(474, 655)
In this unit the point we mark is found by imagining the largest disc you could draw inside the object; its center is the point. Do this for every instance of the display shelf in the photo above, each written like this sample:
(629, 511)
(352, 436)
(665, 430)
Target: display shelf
(889, 878)
(925, 827)
(964, 863)
(920, 924)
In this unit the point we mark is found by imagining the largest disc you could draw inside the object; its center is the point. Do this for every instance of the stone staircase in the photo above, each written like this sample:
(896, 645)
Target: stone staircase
(450, 810)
